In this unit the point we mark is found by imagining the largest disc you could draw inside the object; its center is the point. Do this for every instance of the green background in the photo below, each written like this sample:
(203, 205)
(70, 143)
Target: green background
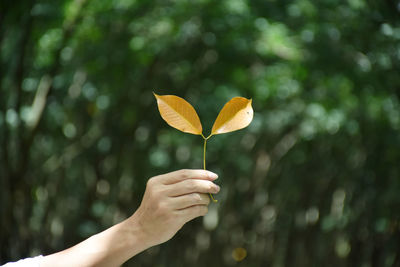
(313, 181)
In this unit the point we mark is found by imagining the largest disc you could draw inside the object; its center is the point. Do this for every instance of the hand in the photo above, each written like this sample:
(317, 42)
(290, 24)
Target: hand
(171, 200)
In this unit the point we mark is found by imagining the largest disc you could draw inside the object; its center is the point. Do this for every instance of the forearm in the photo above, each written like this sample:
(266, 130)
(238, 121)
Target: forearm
(111, 247)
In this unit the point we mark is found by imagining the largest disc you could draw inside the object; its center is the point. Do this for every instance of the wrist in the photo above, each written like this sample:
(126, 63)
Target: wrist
(139, 236)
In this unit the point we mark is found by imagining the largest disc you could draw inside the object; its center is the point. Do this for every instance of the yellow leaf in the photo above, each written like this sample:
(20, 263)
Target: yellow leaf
(178, 113)
(235, 115)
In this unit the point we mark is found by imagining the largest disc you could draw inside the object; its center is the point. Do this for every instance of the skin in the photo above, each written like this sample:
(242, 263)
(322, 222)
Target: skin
(170, 201)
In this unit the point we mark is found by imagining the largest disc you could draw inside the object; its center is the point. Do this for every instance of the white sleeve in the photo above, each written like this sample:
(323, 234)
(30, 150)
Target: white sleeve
(28, 262)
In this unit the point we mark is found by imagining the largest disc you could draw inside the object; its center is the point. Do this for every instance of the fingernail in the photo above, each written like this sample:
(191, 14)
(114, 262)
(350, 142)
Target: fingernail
(218, 188)
(212, 175)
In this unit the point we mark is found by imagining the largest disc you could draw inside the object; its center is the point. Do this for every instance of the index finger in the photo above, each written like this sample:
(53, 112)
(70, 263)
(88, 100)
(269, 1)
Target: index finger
(180, 175)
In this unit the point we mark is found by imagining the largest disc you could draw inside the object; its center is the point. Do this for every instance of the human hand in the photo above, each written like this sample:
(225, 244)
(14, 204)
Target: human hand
(171, 200)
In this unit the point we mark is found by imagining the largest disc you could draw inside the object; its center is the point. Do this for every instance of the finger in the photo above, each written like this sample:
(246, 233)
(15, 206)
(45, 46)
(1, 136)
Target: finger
(185, 201)
(192, 186)
(192, 212)
(180, 175)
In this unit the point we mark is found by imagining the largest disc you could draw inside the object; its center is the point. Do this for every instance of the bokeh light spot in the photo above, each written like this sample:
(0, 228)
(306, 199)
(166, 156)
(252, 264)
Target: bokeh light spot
(239, 254)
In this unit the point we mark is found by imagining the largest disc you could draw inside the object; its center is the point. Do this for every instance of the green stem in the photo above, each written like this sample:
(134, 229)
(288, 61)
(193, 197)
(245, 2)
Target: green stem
(204, 161)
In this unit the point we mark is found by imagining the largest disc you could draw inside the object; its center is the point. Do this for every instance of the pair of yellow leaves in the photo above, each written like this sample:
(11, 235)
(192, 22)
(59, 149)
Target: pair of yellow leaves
(178, 113)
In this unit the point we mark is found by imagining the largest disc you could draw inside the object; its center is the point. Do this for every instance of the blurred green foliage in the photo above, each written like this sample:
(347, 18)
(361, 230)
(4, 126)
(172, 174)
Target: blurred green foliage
(313, 181)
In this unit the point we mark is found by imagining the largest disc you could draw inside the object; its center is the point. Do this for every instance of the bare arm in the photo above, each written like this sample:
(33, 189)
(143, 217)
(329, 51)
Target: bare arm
(169, 202)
